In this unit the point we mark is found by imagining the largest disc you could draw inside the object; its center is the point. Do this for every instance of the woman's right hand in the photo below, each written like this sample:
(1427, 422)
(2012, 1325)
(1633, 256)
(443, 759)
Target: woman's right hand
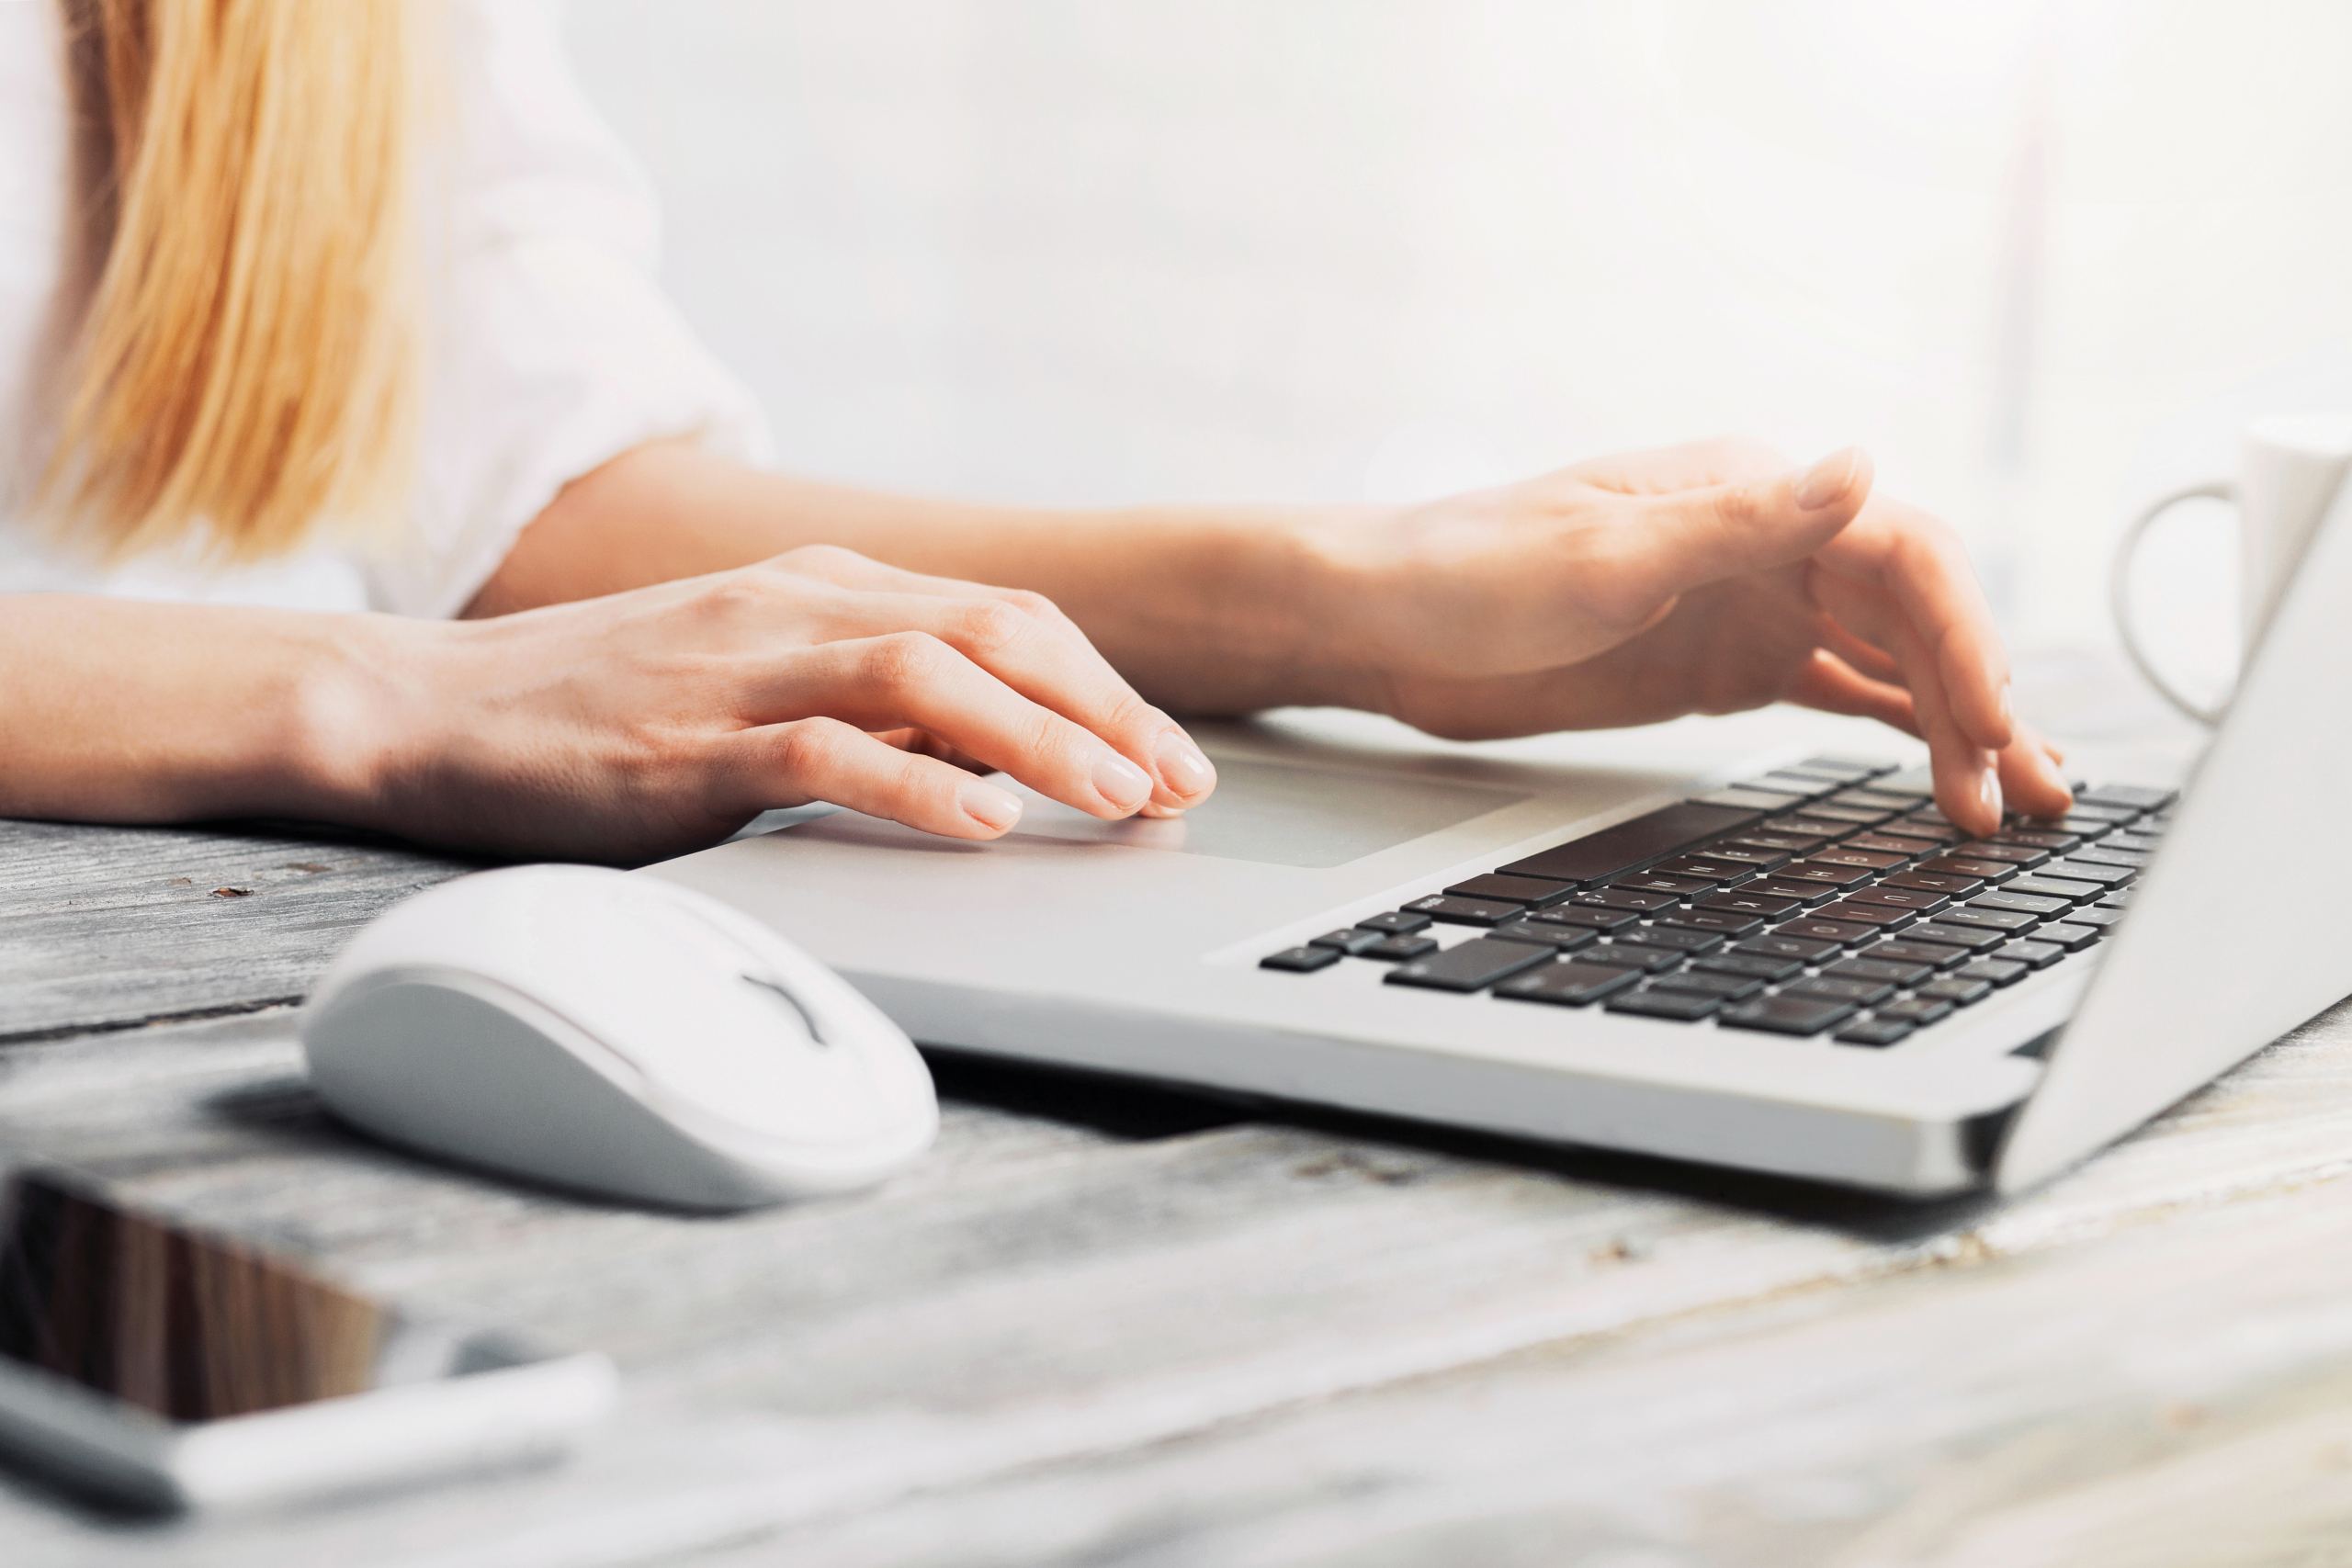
(656, 721)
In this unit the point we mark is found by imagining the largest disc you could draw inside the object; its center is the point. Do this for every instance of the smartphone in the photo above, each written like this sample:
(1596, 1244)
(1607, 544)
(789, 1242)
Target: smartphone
(167, 1368)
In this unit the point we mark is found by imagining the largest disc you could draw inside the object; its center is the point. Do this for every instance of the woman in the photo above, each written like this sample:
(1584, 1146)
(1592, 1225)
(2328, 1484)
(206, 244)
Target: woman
(321, 313)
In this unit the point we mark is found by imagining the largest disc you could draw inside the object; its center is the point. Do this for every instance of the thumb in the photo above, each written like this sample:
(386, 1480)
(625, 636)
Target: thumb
(1705, 536)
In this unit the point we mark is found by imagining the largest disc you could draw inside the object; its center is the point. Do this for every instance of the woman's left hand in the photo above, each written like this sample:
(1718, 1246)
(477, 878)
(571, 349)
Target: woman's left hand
(1700, 579)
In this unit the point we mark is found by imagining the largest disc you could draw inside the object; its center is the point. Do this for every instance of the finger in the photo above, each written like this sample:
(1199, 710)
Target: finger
(2029, 775)
(1025, 640)
(1922, 569)
(823, 759)
(1829, 683)
(1697, 536)
(914, 679)
(1723, 460)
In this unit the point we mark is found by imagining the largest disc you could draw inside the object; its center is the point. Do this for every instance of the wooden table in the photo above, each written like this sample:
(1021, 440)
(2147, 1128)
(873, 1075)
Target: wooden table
(1107, 1324)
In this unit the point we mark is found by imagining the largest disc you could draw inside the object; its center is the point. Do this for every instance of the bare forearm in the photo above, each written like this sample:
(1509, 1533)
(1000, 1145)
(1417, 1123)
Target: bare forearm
(125, 712)
(1205, 609)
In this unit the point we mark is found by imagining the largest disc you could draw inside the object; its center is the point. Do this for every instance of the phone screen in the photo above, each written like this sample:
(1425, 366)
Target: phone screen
(190, 1326)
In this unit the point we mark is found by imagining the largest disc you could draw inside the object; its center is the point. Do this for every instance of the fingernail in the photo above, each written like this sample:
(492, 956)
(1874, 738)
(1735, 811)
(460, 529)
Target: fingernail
(1183, 766)
(989, 806)
(1120, 781)
(1988, 792)
(1828, 479)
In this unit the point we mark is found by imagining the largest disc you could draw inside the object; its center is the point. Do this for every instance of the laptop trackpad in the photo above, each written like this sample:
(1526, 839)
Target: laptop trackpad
(1279, 815)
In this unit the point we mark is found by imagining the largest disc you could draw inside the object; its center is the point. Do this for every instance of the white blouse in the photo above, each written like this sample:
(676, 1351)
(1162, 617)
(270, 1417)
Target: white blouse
(551, 347)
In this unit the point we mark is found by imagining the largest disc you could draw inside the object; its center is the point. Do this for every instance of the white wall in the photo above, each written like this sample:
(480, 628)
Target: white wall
(1102, 250)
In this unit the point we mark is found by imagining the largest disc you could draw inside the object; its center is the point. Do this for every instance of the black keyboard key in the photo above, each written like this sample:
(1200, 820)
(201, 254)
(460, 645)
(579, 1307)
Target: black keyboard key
(1545, 934)
(1995, 971)
(1465, 911)
(2115, 898)
(1880, 970)
(1909, 898)
(2021, 903)
(1587, 917)
(1568, 984)
(1702, 868)
(1975, 939)
(1747, 857)
(1919, 1011)
(1750, 965)
(1722, 923)
(1882, 843)
(1857, 815)
(2143, 843)
(2104, 854)
(1957, 992)
(1681, 941)
(1861, 993)
(1846, 854)
(1855, 912)
(2080, 826)
(1826, 875)
(1917, 826)
(2026, 838)
(1807, 827)
(1787, 1015)
(2033, 954)
(1909, 949)
(2096, 914)
(1682, 1007)
(1626, 955)
(1396, 949)
(1804, 950)
(2097, 812)
(1723, 987)
(2067, 935)
(2077, 870)
(1654, 882)
(1874, 1032)
(1472, 966)
(1524, 890)
(1744, 903)
(2009, 921)
(2056, 887)
(1396, 922)
(2019, 856)
(1301, 960)
(1630, 898)
(1933, 882)
(1877, 799)
(1809, 929)
(2135, 797)
(1802, 892)
(1629, 846)
(1929, 815)
(1960, 865)
(1782, 844)
(1354, 940)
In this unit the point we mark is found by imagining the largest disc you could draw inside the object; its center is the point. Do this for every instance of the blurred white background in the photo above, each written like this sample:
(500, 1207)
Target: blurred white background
(2042, 258)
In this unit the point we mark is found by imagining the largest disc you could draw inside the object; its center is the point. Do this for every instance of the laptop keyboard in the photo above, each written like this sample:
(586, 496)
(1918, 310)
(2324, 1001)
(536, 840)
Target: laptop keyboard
(1829, 896)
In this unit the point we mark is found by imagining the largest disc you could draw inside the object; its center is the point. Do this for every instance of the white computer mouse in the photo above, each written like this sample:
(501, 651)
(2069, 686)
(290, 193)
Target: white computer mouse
(617, 1033)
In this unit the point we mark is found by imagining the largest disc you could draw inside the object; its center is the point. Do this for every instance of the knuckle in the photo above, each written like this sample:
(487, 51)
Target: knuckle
(809, 747)
(905, 661)
(819, 560)
(991, 625)
(1036, 607)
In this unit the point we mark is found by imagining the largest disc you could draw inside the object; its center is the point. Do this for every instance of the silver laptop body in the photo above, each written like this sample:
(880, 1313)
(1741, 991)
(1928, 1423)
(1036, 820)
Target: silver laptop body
(1134, 947)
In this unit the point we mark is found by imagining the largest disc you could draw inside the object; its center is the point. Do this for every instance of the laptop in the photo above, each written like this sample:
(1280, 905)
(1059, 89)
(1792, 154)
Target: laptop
(1796, 966)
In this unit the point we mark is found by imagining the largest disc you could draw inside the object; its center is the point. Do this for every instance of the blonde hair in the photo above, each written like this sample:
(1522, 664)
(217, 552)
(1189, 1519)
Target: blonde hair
(244, 367)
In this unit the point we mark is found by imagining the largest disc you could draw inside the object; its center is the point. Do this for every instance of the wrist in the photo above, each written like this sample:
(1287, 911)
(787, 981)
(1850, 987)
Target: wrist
(358, 710)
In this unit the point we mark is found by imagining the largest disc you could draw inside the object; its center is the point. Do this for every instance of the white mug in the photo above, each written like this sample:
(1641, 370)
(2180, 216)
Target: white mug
(2289, 468)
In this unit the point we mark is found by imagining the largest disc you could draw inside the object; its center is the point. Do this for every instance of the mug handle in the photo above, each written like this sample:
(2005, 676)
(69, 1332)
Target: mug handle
(2119, 589)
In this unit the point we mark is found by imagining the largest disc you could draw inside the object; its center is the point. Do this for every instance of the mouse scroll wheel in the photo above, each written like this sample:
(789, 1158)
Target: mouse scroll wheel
(775, 988)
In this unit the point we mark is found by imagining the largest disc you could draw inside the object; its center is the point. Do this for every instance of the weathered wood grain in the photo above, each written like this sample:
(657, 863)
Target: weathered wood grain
(104, 927)
(1041, 1294)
